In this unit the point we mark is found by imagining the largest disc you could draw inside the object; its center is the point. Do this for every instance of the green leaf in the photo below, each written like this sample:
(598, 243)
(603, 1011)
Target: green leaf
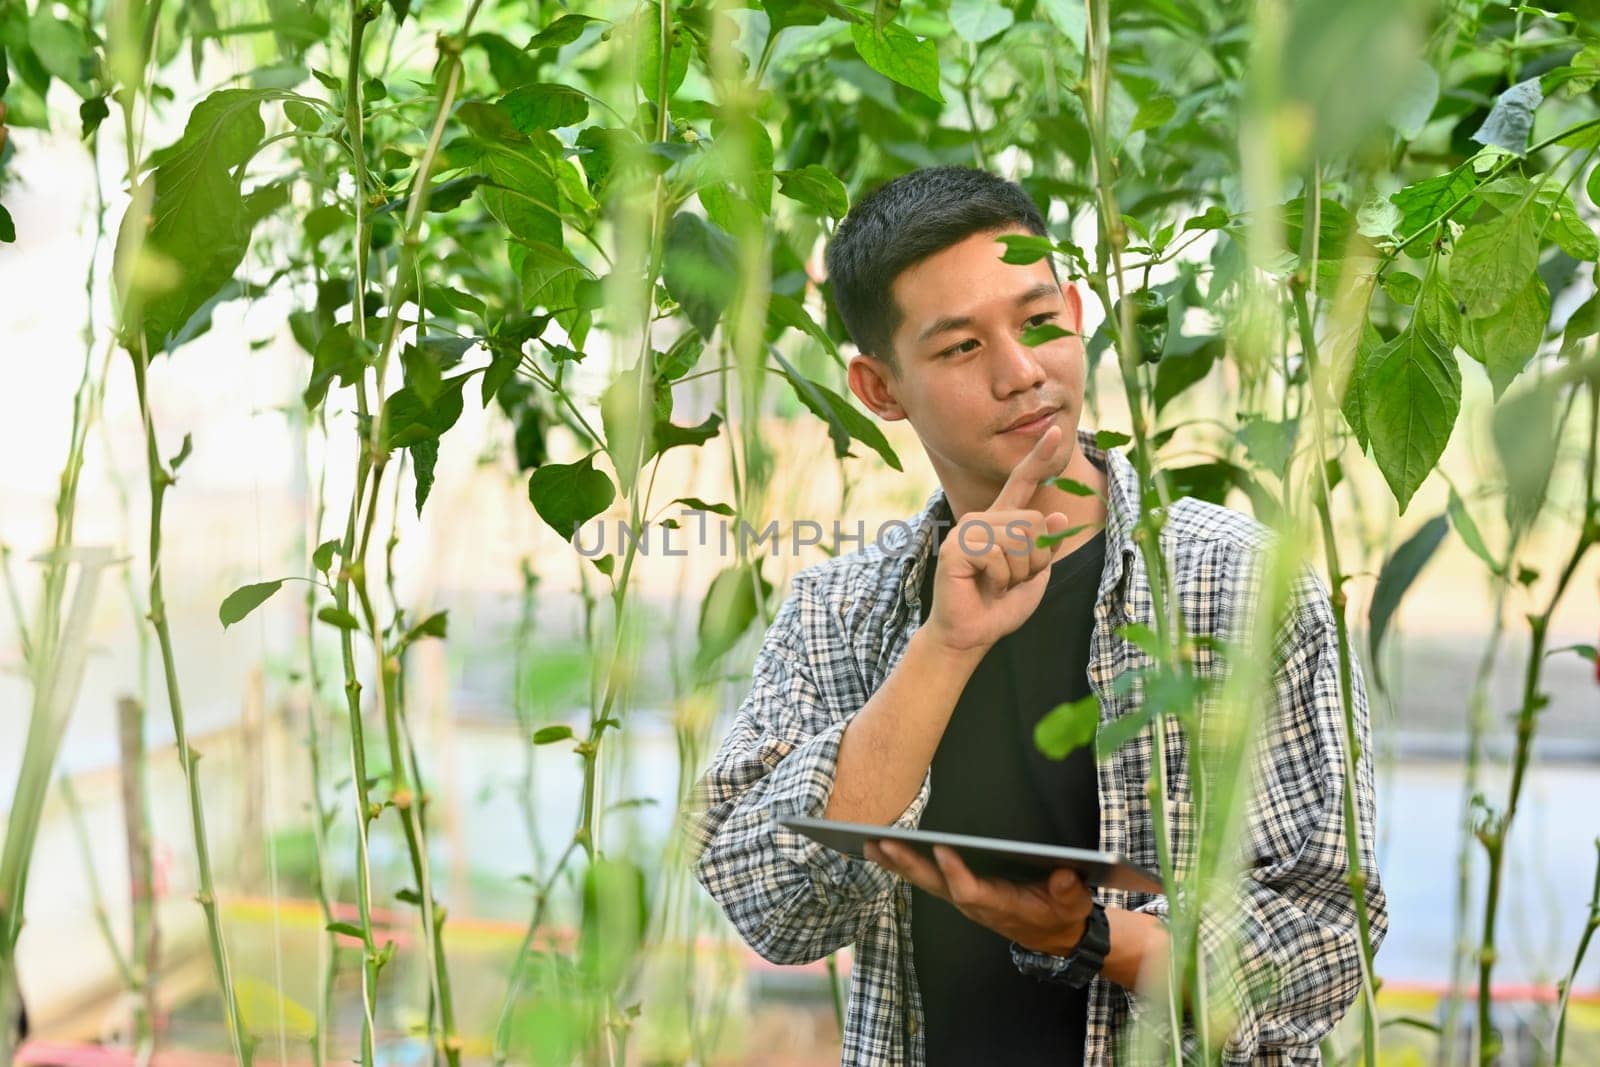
(1117, 732)
(1423, 202)
(1067, 727)
(265, 1010)
(647, 53)
(1552, 210)
(562, 31)
(1506, 341)
(696, 504)
(1104, 439)
(1054, 539)
(615, 916)
(1076, 488)
(1154, 112)
(1337, 229)
(1025, 247)
(898, 55)
(979, 20)
(1411, 394)
(339, 355)
(1044, 333)
(1352, 406)
(729, 607)
(1378, 217)
(1524, 427)
(8, 227)
(424, 459)
(1510, 120)
(684, 353)
(545, 106)
(549, 276)
(1492, 261)
(521, 191)
(1403, 288)
(1467, 530)
(1399, 571)
(1214, 217)
(198, 228)
(322, 558)
(1436, 307)
(784, 311)
(547, 735)
(408, 419)
(1269, 443)
(1185, 361)
(245, 599)
(435, 625)
(629, 432)
(671, 435)
(699, 269)
(817, 187)
(348, 929)
(566, 495)
(342, 619)
(91, 113)
(844, 421)
(61, 49)
(1410, 110)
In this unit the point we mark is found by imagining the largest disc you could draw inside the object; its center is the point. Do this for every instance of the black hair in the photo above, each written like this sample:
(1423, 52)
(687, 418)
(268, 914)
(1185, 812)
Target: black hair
(903, 221)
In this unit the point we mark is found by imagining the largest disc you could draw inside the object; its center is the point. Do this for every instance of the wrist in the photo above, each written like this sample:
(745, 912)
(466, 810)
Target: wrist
(964, 658)
(1076, 967)
(1066, 940)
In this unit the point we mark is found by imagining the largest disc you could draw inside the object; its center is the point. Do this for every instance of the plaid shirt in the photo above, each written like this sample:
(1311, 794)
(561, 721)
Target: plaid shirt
(1285, 939)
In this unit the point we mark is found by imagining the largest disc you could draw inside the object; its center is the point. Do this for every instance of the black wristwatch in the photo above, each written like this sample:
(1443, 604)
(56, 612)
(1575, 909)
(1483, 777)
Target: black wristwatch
(1077, 969)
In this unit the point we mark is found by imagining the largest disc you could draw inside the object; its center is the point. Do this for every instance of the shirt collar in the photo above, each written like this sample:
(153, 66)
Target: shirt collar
(1122, 515)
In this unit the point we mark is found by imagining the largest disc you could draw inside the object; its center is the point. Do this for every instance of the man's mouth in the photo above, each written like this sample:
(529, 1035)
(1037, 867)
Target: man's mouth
(1034, 421)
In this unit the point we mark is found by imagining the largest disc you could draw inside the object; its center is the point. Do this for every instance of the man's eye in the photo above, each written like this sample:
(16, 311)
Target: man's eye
(956, 349)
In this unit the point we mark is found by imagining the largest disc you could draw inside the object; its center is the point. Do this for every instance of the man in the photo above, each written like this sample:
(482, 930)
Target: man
(896, 666)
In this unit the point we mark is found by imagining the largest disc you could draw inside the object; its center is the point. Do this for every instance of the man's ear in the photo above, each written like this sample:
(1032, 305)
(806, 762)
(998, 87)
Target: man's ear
(1069, 293)
(873, 384)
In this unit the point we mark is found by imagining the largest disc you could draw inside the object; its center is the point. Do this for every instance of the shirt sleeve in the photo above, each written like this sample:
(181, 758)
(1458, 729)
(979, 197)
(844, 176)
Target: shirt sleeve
(792, 898)
(1283, 949)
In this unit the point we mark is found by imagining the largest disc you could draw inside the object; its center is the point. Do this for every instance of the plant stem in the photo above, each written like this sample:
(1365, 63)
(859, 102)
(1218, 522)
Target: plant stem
(327, 946)
(91, 875)
(349, 561)
(1477, 729)
(1354, 876)
(1495, 834)
(1590, 926)
(161, 479)
(141, 872)
(1096, 77)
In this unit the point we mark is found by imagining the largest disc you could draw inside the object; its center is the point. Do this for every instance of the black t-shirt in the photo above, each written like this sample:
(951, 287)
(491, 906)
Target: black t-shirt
(990, 779)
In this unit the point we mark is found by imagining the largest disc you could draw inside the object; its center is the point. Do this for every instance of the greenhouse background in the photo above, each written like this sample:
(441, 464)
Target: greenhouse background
(502, 633)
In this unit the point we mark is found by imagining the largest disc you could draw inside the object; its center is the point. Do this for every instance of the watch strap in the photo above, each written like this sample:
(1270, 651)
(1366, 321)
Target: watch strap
(1079, 967)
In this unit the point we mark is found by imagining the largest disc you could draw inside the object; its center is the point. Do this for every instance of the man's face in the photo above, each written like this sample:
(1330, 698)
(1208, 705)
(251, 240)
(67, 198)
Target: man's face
(965, 377)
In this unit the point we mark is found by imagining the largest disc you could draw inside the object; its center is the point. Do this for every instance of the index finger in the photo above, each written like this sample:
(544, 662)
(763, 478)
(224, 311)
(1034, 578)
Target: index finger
(1029, 472)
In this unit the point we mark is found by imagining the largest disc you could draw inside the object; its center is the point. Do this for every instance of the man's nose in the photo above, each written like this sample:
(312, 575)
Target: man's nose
(1017, 368)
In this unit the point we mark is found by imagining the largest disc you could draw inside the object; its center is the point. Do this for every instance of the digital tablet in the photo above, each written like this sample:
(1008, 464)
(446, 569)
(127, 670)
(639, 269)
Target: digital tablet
(989, 857)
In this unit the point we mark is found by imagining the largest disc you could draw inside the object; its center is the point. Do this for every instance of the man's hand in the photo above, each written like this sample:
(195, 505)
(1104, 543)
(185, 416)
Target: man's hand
(991, 573)
(1046, 916)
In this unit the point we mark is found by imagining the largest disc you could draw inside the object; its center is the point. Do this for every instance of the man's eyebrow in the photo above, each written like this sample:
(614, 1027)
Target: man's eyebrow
(946, 323)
